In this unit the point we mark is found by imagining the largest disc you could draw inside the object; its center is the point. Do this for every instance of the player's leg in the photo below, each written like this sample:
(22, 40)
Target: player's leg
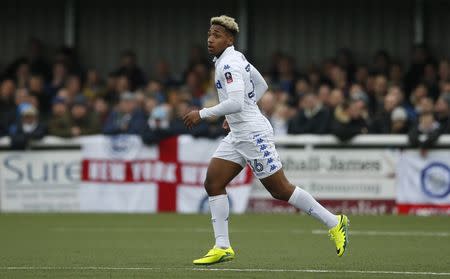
(220, 173)
(261, 154)
(280, 188)
(224, 166)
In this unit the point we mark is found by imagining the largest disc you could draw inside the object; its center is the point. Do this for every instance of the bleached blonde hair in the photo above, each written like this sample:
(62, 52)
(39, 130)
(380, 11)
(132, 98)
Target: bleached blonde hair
(227, 22)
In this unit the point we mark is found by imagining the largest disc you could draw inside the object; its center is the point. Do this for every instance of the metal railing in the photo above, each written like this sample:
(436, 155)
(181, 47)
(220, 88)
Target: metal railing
(309, 141)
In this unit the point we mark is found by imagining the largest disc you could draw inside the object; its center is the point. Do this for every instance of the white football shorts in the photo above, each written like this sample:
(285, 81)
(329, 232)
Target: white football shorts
(258, 150)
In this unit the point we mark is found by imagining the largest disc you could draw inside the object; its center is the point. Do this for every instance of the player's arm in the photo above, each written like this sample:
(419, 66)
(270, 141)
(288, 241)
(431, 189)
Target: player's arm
(234, 86)
(259, 83)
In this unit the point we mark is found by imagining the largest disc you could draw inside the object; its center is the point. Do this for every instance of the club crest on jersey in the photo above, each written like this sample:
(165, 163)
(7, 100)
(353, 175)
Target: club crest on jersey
(226, 67)
(228, 77)
(218, 85)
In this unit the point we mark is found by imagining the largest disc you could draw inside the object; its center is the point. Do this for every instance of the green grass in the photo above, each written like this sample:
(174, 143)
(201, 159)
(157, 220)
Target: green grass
(168, 243)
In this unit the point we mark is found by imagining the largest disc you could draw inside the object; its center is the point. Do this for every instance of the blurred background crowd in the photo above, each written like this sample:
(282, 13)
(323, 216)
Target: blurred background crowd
(54, 95)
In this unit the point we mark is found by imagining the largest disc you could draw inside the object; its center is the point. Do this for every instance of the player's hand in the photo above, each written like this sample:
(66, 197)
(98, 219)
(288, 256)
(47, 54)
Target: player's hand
(225, 125)
(191, 119)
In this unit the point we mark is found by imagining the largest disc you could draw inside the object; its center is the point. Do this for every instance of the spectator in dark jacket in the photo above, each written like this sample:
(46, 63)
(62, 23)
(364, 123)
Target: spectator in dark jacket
(126, 119)
(60, 123)
(313, 118)
(382, 121)
(425, 132)
(59, 75)
(129, 68)
(27, 128)
(349, 120)
(83, 120)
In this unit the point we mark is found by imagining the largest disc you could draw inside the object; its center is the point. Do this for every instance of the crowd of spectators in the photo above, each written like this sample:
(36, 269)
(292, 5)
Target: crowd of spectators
(59, 97)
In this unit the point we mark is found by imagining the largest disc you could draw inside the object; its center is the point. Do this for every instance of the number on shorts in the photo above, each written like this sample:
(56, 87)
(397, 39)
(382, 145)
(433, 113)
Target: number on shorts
(258, 167)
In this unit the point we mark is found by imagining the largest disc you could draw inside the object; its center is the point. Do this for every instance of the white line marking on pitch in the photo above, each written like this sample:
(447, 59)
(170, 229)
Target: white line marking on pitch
(209, 230)
(390, 233)
(227, 270)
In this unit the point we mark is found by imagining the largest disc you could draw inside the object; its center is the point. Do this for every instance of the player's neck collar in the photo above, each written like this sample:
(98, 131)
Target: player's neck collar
(227, 50)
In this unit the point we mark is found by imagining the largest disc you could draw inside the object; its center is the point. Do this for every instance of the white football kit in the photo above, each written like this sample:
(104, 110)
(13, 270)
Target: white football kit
(250, 140)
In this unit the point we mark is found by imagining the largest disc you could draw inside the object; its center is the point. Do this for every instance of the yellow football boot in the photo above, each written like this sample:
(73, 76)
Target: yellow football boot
(216, 255)
(339, 234)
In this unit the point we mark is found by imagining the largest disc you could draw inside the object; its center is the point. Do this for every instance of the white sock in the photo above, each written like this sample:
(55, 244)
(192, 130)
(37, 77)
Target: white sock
(219, 213)
(304, 201)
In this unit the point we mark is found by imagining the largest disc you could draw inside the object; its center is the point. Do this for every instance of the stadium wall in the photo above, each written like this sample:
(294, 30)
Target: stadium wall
(309, 30)
(21, 20)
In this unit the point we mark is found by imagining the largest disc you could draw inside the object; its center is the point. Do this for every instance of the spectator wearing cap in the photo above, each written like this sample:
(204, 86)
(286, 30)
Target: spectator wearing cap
(23, 97)
(425, 132)
(83, 120)
(60, 122)
(27, 128)
(442, 112)
(313, 117)
(158, 127)
(127, 118)
(399, 121)
(349, 120)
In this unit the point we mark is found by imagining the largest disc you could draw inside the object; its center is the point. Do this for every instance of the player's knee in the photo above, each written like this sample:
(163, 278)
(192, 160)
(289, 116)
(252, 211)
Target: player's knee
(281, 192)
(212, 188)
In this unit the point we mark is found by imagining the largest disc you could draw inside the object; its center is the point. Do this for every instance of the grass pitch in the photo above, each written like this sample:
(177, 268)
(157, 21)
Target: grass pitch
(267, 246)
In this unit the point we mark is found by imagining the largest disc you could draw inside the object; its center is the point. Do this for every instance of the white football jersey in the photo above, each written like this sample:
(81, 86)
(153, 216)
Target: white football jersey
(234, 73)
